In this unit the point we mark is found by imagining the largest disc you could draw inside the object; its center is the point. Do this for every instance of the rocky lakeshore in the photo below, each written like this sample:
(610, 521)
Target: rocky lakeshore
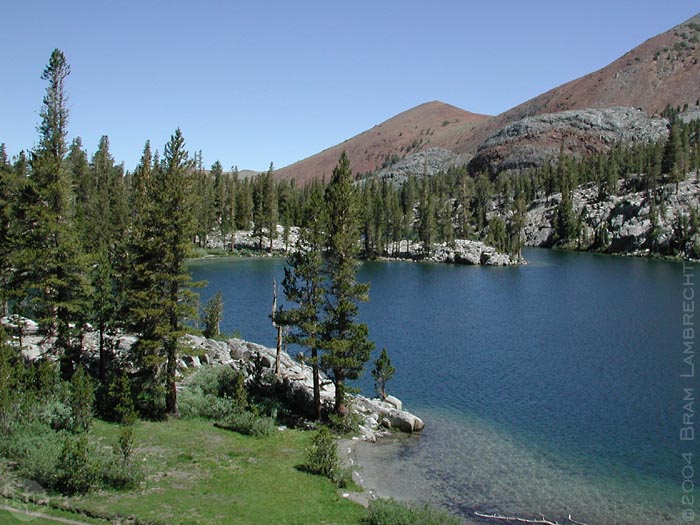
(462, 251)
(629, 223)
(378, 418)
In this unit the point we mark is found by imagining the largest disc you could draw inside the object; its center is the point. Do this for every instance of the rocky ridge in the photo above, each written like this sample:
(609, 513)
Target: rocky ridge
(377, 417)
(424, 163)
(532, 141)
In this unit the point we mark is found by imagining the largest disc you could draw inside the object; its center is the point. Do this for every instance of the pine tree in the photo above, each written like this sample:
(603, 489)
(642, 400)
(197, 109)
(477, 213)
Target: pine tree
(265, 207)
(212, 315)
(303, 285)
(220, 200)
(270, 210)
(47, 257)
(483, 191)
(672, 162)
(383, 372)
(105, 304)
(497, 233)
(345, 343)
(426, 217)
(205, 198)
(7, 185)
(159, 293)
(244, 205)
(515, 227)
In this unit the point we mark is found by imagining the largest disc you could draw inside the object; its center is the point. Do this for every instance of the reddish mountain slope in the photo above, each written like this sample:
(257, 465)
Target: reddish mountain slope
(663, 70)
(429, 125)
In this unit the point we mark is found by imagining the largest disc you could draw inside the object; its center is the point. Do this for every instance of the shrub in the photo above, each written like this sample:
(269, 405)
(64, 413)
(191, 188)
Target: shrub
(212, 315)
(150, 400)
(231, 384)
(192, 403)
(82, 399)
(55, 413)
(322, 458)
(35, 449)
(121, 472)
(221, 381)
(383, 371)
(117, 402)
(249, 424)
(347, 424)
(77, 468)
(392, 512)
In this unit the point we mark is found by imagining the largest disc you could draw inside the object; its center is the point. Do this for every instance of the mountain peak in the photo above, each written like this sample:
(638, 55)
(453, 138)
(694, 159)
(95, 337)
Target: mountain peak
(431, 124)
(664, 70)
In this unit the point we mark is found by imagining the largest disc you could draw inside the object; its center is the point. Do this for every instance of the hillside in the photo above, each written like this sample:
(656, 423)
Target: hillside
(429, 125)
(663, 70)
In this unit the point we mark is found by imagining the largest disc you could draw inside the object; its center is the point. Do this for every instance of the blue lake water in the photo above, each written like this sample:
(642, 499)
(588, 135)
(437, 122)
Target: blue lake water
(551, 388)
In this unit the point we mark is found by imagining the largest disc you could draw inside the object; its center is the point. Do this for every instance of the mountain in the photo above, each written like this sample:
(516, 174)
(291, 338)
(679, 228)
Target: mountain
(663, 70)
(430, 125)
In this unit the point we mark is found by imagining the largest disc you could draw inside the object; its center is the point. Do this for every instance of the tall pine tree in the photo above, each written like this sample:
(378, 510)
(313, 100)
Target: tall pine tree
(160, 295)
(49, 267)
(303, 285)
(345, 342)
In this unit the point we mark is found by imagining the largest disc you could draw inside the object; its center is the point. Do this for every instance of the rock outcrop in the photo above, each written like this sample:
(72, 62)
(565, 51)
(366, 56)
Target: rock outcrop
(253, 360)
(462, 251)
(297, 377)
(627, 223)
(244, 240)
(424, 163)
(532, 141)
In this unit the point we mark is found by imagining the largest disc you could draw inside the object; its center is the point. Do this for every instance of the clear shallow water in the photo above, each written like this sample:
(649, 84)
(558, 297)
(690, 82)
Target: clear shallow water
(551, 388)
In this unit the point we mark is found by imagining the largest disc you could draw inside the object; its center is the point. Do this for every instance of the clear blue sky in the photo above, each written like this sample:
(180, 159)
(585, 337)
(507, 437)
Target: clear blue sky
(259, 81)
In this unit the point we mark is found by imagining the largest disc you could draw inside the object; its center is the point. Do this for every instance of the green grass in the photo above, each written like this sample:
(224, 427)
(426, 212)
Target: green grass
(196, 473)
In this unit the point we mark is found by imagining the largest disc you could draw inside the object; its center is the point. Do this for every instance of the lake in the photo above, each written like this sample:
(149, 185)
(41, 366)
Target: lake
(551, 388)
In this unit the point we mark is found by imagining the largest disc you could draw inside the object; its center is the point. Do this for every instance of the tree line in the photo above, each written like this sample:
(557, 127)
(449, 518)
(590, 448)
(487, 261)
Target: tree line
(86, 246)
(83, 242)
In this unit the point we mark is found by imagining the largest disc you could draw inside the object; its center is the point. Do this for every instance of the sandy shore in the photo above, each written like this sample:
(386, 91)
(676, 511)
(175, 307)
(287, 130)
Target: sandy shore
(377, 469)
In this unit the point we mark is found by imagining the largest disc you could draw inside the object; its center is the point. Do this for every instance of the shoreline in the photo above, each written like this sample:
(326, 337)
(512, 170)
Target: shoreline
(368, 462)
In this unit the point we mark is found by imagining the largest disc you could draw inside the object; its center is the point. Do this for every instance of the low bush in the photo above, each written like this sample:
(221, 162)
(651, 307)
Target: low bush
(347, 424)
(69, 463)
(77, 468)
(392, 512)
(219, 394)
(122, 472)
(220, 381)
(249, 424)
(322, 458)
(192, 403)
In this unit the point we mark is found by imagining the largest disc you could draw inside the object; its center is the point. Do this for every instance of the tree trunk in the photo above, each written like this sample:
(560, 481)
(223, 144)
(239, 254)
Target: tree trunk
(171, 351)
(171, 389)
(340, 408)
(317, 383)
(275, 325)
(103, 357)
(279, 350)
